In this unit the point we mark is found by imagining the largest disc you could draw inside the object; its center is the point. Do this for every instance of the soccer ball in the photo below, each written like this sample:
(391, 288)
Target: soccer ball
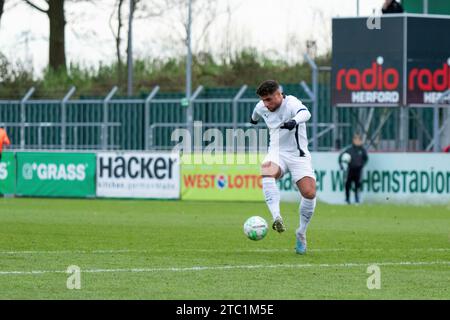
(346, 158)
(255, 228)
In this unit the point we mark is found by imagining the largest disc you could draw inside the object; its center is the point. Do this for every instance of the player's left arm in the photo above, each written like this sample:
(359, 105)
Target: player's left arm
(299, 113)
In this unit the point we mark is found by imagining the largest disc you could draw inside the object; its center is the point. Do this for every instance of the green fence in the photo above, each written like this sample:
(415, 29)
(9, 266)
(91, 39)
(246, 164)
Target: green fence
(434, 6)
(147, 122)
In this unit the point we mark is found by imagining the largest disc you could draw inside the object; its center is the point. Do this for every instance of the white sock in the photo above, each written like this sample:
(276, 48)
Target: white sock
(307, 207)
(272, 196)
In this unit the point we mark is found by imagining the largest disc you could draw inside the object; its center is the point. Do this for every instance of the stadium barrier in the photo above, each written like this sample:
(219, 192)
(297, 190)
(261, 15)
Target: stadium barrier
(413, 178)
(55, 174)
(138, 175)
(389, 177)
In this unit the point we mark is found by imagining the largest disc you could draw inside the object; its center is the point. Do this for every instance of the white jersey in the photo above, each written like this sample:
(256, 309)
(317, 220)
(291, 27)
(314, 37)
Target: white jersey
(293, 141)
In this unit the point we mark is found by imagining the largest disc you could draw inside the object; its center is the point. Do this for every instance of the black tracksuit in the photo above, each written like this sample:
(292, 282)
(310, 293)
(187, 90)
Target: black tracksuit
(354, 171)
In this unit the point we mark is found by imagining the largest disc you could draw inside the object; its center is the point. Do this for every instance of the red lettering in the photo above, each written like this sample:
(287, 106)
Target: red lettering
(238, 181)
(356, 85)
(443, 74)
(429, 80)
(412, 74)
(394, 74)
(340, 76)
(189, 181)
(369, 79)
(425, 80)
(372, 72)
(380, 78)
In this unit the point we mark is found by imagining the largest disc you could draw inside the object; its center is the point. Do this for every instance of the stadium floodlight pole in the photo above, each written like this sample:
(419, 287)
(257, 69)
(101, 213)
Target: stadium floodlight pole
(130, 50)
(63, 116)
(357, 8)
(315, 84)
(23, 116)
(190, 111)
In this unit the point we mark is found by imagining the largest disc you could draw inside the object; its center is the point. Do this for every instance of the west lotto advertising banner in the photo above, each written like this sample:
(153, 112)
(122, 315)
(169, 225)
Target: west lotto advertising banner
(387, 178)
(8, 173)
(55, 174)
(138, 175)
(241, 182)
(368, 67)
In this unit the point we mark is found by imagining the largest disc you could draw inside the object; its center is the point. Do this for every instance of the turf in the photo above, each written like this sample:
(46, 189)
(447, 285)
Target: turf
(130, 249)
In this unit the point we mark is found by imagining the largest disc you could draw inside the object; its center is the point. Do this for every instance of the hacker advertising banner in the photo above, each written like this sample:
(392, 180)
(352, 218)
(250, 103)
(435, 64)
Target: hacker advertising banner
(138, 175)
(55, 174)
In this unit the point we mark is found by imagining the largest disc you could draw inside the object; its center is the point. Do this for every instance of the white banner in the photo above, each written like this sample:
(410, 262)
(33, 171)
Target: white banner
(138, 175)
(414, 178)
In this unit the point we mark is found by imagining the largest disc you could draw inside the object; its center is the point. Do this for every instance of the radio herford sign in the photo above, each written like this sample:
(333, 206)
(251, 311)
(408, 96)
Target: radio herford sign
(138, 175)
(390, 66)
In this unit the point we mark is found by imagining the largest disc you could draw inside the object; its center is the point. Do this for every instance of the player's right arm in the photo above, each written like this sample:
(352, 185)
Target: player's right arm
(255, 116)
(340, 158)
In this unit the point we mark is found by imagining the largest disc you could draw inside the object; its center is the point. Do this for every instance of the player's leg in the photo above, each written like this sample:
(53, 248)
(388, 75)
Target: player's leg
(357, 179)
(307, 187)
(348, 185)
(270, 172)
(303, 174)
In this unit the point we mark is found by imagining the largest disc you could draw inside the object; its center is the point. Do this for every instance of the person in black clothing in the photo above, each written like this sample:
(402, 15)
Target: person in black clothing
(392, 6)
(357, 160)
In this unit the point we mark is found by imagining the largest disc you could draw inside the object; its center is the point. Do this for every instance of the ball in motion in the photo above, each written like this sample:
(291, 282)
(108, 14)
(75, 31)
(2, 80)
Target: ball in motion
(255, 228)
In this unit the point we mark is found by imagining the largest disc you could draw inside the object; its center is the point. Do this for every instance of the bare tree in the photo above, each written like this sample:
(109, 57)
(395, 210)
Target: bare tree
(2, 4)
(117, 33)
(142, 9)
(55, 13)
(204, 13)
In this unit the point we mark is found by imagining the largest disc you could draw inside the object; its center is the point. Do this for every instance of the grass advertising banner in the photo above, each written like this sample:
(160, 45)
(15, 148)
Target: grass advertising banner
(56, 174)
(8, 173)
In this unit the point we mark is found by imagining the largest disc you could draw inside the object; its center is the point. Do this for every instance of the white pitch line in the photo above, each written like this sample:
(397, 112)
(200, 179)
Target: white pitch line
(261, 266)
(113, 251)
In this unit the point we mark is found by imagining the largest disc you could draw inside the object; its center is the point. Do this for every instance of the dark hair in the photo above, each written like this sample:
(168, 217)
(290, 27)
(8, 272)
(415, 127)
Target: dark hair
(267, 87)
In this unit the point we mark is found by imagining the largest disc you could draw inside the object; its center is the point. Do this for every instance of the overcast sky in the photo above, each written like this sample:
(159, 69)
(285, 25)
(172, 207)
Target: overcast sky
(278, 28)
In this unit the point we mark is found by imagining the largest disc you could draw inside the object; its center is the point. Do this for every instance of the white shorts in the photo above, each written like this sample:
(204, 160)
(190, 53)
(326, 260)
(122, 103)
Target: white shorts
(299, 167)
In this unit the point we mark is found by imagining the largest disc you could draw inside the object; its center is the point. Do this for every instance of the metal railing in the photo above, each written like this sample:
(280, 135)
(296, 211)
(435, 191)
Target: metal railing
(112, 123)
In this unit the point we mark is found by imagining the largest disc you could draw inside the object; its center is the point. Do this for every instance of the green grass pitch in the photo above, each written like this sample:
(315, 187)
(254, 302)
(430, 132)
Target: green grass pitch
(129, 249)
